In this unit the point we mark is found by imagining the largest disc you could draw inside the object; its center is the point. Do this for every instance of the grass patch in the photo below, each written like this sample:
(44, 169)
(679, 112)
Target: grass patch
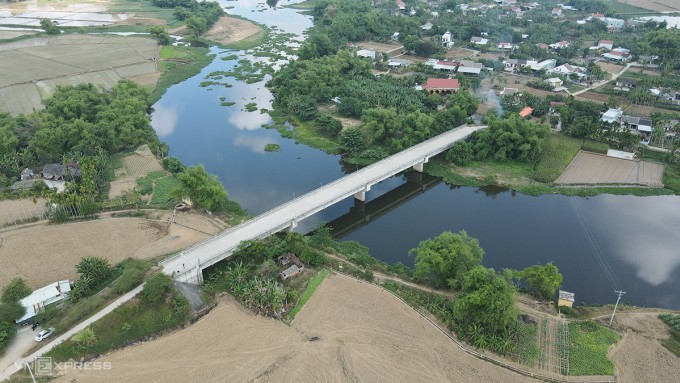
(525, 343)
(594, 146)
(624, 8)
(672, 343)
(227, 103)
(164, 191)
(558, 151)
(436, 304)
(588, 347)
(309, 291)
(306, 133)
(174, 72)
(671, 177)
(272, 148)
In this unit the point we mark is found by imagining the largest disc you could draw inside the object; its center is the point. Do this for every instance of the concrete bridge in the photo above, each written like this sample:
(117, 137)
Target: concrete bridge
(188, 265)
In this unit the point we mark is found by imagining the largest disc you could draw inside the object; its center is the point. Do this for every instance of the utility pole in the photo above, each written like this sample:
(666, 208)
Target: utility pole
(620, 293)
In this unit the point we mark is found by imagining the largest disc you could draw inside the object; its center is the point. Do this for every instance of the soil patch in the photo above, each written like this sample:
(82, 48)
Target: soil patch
(639, 357)
(592, 169)
(655, 5)
(229, 30)
(21, 210)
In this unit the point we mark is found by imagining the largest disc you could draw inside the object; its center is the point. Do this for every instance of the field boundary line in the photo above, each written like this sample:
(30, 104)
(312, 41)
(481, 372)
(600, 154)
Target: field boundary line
(473, 352)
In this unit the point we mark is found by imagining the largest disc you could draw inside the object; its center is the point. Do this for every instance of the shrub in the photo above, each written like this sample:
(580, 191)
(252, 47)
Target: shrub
(15, 290)
(85, 337)
(173, 165)
(594, 146)
(130, 278)
(460, 153)
(156, 288)
(328, 124)
(312, 257)
(7, 332)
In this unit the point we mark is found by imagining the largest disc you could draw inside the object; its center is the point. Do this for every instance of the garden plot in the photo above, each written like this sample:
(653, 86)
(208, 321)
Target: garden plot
(34, 67)
(135, 165)
(597, 169)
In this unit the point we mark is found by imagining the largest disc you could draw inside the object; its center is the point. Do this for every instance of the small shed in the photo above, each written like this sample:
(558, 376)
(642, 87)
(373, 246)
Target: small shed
(526, 112)
(42, 297)
(565, 298)
(290, 272)
(27, 174)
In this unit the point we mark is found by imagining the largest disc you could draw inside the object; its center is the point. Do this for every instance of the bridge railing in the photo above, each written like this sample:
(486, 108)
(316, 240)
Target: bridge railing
(394, 170)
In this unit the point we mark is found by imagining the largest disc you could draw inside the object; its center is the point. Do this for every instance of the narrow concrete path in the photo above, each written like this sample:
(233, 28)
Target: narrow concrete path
(18, 364)
(598, 84)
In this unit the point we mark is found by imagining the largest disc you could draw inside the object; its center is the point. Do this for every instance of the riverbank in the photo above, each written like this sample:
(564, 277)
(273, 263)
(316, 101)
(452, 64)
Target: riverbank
(236, 33)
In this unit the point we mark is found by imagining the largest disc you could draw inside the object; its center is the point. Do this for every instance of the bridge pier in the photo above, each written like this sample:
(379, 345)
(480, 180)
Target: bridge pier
(419, 166)
(361, 196)
(293, 225)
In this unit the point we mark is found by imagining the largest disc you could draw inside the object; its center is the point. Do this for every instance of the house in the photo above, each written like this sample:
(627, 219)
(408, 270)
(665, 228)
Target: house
(24, 184)
(512, 64)
(543, 45)
(441, 85)
(401, 5)
(395, 36)
(614, 25)
(43, 297)
(434, 14)
(612, 116)
(447, 40)
(565, 298)
(567, 70)
(559, 45)
(647, 60)
(526, 112)
(597, 16)
(504, 45)
(557, 12)
(625, 82)
(469, 67)
(366, 53)
(59, 172)
(555, 82)
(27, 174)
(618, 55)
(533, 5)
(442, 65)
(479, 40)
(395, 63)
(293, 270)
(509, 91)
(638, 123)
(543, 65)
(427, 26)
(605, 44)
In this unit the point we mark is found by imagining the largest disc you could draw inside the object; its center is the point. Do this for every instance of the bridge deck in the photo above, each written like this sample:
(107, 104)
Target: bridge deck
(188, 264)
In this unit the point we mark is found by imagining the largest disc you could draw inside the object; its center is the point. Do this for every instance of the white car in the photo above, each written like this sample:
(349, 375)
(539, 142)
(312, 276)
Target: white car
(44, 334)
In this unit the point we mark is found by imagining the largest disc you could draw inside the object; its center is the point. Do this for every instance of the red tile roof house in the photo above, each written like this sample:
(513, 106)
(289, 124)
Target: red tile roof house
(441, 85)
(525, 112)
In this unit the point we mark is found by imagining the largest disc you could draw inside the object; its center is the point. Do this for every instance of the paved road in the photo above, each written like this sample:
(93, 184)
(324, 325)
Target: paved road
(187, 265)
(600, 83)
(57, 341)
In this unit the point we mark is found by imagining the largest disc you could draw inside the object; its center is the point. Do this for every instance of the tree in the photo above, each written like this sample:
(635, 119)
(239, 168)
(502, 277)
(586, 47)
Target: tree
(157, 288)
(7, 332)
(10, 312)
(204, 189)
(460, 153)
(352, 139)
(49, 27)
(196, 25)
(158, 32)
(15, 290)
(487, 300)
(94, 268)
(444, 260)
(173, 165)
(541, 281)
(328, 124)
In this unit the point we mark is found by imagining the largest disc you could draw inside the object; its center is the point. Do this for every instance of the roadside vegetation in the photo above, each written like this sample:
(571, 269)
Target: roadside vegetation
(673, 341)
(159, 309)
(11, 310)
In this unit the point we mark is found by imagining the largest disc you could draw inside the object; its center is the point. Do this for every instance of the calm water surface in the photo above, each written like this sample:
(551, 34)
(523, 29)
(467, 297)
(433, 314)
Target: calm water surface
(598, 243)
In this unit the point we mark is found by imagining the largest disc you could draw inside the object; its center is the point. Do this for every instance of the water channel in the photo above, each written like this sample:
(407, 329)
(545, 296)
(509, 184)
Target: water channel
(599, 244)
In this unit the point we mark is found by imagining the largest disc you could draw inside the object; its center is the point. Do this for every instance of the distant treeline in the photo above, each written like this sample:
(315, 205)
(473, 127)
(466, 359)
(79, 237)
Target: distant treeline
(199, 17)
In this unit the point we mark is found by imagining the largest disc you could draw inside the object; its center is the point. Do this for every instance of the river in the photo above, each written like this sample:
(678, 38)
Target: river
(600, 243)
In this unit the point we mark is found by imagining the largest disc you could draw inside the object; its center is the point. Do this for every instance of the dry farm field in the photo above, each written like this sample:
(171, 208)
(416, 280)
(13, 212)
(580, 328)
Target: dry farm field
(135, 165)
(597, 169)
(347, 332)
(655, 5)
(228, 30)
(35, 67)
(46, 253)
(13, 211)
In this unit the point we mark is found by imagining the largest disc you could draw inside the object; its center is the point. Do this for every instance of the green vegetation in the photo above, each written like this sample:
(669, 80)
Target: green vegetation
(198, 16)
(525, 340)
(164, 192)
(541, 281)
(588, 347)
(558, 151)
(309, 291)
(673, 342)
(440, 306)
(251, 107)
(272, 148)
(137, 320)
(11, 310)
(227, 103)
(145, 184)
(204, 189)
(49, 27)
(595, 147)
(93, 274)
(185, 62)
(444, 260)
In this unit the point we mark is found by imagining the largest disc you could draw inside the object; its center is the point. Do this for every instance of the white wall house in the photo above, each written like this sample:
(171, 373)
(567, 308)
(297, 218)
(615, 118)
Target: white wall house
(42, 297)
(447, 40)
